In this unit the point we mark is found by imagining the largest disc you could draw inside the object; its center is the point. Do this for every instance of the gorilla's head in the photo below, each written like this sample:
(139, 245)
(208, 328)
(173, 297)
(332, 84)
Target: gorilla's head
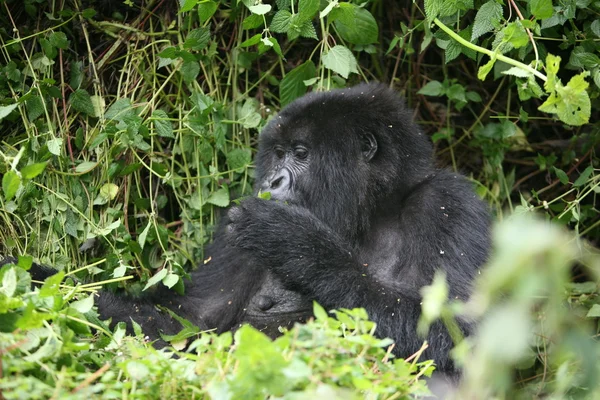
(342, 154)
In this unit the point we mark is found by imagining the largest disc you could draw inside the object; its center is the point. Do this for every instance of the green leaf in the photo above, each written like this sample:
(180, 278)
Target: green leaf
(357, 26)
(120, 110)
(220, 198)
(595, 27)
(119, 271)
(81, 101)
(580, 58)
(187, 5)
(59, 39)
(432, 9)
(515, 34)
(474, 97)
(254, 40)
(35, 107)
(144, 234)
(260, 9)
(281, 21)
(190, 70)
(583, 178)
(170, 280)
(571, 103)
(109, 191)
(456, 92)
(9, 282)
(10, 184)
(445, 8)
(162, 124)
(169, 52)
(103, 231)
(594, 312)
(48, 49)
(159, 276)
(188, 330)
(453, 50)
(252, 21)
(197, 39)
(88, 13)
(136, 370)
(238, 158)
(5, 110)
(276, 47)
(307, 30)
(518, 72)
(292, 85)
(83, 305)
(433, 88)
(487, 19)
(32, 170)
(485, 69)
(319, 312)
(55, 146)
(341, 60)
(85, 167)
(268, 43)
(25, 262)
(248, 116)
(552, 67)
(12, 72)
(564, 179)
(206, 10)
(307, 9)
(542, 9)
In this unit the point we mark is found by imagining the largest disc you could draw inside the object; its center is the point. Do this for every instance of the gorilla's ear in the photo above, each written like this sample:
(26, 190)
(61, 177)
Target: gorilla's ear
(368, 146)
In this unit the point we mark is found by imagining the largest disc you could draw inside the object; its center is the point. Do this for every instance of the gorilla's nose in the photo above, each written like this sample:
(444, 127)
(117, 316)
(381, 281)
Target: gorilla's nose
(278, 184)
(264, 303)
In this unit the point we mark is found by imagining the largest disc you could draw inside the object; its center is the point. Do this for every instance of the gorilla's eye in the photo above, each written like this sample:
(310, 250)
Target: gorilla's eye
(279, 152)
(300, 153)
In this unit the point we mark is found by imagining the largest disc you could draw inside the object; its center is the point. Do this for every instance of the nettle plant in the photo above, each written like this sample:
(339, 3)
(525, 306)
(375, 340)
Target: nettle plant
(345, 28)
(511, 38)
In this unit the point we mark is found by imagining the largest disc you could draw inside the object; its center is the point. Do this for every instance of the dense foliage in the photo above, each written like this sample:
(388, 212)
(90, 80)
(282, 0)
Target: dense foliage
(126, 127)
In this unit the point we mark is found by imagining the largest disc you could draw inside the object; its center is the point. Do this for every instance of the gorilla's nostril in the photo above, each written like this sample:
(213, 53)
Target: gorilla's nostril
(265, 303)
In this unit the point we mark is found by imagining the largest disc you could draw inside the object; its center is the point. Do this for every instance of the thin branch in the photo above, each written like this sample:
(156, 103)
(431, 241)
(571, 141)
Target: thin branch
(535, 50)
(490, 53)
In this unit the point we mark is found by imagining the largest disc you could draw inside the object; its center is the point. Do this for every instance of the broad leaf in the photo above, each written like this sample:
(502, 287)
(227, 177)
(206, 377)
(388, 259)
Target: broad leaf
(220, 198)
(487, 18)
(162, 124)
(32, 170)
(341, 60)
(292, 85)
(355, 24)
(81, 101)
(10, 184)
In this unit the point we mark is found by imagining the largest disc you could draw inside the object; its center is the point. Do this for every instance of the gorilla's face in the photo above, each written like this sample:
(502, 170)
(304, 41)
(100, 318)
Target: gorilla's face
(320, 159)
(289, 164)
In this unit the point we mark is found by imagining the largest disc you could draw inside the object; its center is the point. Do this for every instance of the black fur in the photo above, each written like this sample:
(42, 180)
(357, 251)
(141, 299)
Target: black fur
(363, 219)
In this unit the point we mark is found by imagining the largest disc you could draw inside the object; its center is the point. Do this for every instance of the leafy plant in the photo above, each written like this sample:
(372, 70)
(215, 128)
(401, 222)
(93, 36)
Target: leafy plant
(127, 126)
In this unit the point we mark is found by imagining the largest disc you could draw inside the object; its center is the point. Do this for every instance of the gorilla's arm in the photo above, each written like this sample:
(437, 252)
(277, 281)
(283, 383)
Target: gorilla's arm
(216, 298)
(438, 221)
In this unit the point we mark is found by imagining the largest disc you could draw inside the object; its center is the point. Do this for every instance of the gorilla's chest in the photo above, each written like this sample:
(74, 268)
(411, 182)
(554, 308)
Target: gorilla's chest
(380, 254)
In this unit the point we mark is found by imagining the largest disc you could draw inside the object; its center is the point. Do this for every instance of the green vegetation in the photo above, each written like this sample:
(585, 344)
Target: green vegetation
(127, 125)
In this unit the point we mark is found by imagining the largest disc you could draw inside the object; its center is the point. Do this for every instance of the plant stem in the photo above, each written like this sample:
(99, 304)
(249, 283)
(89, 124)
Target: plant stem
(490, 53)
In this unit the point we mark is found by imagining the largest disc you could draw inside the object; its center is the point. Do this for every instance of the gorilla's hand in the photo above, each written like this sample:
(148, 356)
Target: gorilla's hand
(290, 241)
(262, 226)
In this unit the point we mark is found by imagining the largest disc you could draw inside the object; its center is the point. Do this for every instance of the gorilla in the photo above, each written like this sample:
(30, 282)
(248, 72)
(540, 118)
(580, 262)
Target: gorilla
(358, 216)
